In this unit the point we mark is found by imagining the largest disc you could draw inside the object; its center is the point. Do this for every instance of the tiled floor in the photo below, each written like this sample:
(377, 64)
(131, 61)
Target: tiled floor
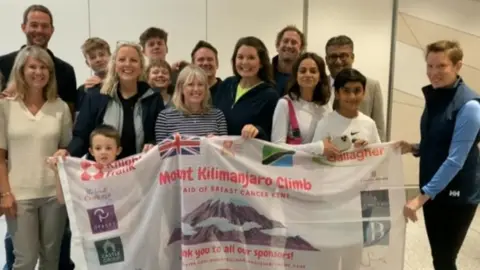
(417, 254)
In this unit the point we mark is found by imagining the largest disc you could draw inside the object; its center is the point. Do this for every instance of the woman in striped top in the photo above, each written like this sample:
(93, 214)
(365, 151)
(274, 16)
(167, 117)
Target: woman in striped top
(191, 113)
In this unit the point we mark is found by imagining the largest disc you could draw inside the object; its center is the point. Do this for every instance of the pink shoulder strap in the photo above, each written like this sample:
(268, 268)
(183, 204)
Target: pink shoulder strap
(295, 136)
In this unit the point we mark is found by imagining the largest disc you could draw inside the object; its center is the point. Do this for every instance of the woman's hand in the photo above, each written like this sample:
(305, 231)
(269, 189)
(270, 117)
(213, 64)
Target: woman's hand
(61, 153)
(404, 147)
(147, 147)
(52, 163)
(8, 204)
(411, 207)
(249, 131)
(359, 143)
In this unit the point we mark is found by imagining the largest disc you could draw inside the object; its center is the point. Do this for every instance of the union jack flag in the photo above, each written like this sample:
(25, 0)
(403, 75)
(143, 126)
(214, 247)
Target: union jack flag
(178, 144)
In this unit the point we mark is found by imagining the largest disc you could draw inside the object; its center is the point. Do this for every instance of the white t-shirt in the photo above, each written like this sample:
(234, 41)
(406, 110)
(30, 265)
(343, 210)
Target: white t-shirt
(344, 234)
(337, 126)
(308, 114)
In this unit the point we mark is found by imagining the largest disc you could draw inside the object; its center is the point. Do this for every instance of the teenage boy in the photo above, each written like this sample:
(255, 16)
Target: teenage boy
(97, 54)
(154, 43)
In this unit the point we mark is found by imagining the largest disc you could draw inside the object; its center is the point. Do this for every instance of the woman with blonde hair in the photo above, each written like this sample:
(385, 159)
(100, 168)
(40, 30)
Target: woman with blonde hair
(33, 125)
(125, 102)
(191, 113)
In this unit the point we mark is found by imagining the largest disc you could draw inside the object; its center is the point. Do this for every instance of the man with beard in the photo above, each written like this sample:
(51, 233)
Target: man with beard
(38, 28)
(290, 42)
(205, 56)
(339, 55)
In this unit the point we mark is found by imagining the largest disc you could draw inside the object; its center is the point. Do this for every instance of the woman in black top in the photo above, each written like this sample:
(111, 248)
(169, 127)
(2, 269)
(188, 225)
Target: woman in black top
(248, 98)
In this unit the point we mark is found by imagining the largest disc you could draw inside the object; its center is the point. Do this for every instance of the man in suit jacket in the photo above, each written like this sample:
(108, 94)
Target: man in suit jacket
(339, 55)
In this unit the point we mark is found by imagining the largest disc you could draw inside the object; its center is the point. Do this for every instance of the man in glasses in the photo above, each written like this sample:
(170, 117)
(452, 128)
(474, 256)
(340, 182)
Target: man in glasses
(339, 55)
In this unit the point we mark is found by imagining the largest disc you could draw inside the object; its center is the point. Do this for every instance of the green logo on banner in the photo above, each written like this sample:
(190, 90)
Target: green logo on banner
(110, 250)
(279, 157)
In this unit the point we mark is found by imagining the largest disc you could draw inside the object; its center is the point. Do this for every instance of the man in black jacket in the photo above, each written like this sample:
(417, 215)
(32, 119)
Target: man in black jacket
(38, 28)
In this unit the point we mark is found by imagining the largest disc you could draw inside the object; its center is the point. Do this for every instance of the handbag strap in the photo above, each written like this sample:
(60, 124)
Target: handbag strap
(293, 123)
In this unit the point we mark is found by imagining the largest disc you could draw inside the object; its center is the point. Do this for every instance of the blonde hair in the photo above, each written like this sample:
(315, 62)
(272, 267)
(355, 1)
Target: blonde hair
(187, 75)
(95, 43)
(111, 80)
(451, 48)
(18, 74)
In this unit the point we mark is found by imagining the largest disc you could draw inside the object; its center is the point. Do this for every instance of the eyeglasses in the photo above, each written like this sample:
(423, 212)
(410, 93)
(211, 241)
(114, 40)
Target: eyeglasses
(335, 56)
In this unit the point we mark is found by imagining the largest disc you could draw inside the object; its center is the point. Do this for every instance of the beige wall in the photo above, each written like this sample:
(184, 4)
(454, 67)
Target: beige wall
(419, 23)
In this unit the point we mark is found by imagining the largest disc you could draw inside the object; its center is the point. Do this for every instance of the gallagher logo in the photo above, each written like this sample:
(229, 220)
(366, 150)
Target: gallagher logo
(95, 171)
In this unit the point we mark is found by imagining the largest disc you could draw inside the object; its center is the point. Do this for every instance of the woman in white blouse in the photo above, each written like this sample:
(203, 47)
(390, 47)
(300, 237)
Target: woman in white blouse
(305, 103)
(33, 125)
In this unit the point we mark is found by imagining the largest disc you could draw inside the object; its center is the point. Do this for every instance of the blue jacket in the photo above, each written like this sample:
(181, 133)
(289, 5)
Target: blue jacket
(255, 107)
(93, 109)
(437, 130)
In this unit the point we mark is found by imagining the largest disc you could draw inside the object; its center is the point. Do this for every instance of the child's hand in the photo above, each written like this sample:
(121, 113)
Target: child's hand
(329, 149)
(359, 143)
(147, 147)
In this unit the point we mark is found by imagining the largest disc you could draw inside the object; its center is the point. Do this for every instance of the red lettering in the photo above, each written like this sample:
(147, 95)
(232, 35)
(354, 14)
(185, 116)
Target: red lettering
(172, 176)
(358, 155)
(293, 184)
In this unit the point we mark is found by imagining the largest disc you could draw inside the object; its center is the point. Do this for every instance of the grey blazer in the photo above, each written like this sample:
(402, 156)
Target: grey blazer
(372, 106)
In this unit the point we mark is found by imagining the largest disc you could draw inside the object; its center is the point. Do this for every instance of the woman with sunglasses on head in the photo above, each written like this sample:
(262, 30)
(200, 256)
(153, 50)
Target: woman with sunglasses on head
(191, 113)
(124, 101)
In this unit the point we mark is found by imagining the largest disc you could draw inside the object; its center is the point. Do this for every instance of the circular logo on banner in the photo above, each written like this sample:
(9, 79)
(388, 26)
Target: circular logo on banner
(91, 171)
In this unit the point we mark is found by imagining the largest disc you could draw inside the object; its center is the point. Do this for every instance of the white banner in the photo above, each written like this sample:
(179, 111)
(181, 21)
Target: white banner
(227, 203)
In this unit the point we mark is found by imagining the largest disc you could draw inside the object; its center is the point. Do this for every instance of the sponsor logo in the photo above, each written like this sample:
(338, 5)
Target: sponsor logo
(97, 194)
(91, 171)
(358, 155)
(179, 145)
(375, 203)
(103, 219)
(376, 233)
(454, 193)
(95, 171)
(278, 157)
(110, 251)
